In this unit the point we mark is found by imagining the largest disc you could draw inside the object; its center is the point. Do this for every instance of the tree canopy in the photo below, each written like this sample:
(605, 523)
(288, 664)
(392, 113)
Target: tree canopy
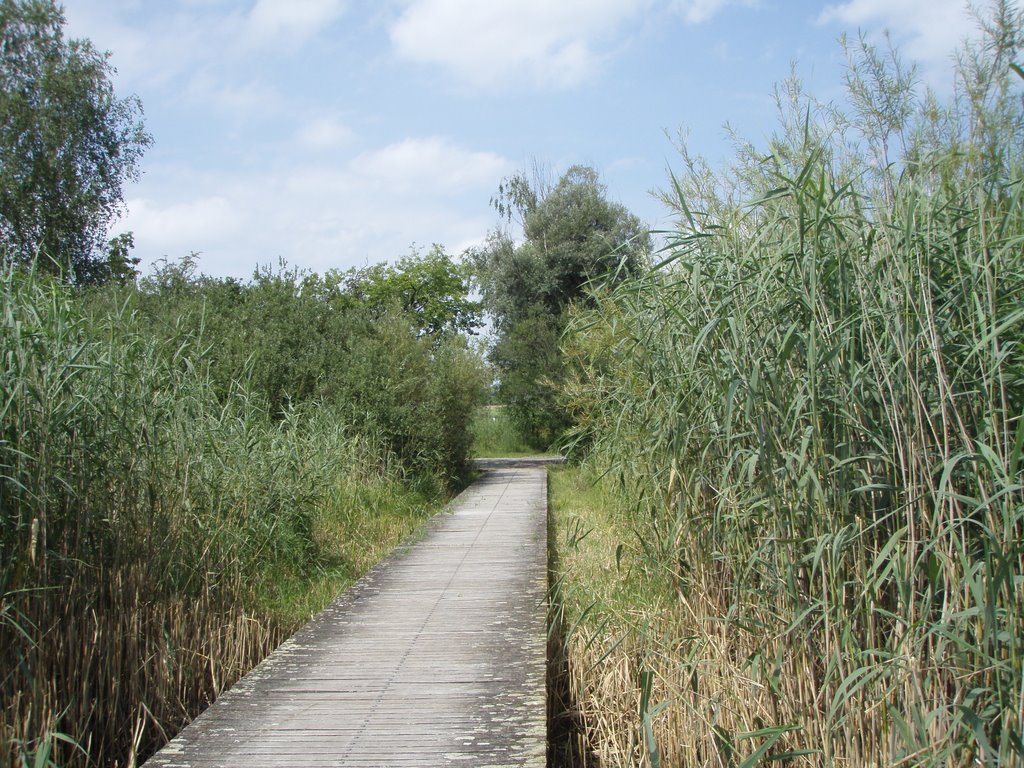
(67, 145)
(572, 236)
(432, 288)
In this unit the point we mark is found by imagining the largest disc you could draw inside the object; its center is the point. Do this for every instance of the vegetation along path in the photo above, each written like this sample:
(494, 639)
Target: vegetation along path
(436, 657)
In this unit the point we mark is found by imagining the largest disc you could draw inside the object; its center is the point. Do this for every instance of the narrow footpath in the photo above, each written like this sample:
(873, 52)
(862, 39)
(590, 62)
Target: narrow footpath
(434, 658)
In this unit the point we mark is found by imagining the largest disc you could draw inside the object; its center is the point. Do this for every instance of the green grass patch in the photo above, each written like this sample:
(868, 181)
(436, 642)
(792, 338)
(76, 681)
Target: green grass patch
(359, 526)
(616, 630)
(605, 581)
(494, 434)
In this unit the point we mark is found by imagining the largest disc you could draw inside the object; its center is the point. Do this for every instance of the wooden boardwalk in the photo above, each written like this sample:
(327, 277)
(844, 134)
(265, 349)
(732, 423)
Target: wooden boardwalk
(434, 658)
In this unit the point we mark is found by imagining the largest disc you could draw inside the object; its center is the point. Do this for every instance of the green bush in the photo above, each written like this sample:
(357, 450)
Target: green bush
(341, 341)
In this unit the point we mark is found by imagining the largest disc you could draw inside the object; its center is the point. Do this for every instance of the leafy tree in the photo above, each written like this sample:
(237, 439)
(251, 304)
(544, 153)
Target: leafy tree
(121, 266)
(532, 366)
(67, 145)
(433, 289)
(572, 236)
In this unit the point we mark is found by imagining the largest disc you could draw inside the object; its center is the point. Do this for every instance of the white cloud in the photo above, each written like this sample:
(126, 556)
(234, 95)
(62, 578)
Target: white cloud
(540, 42)
(240, 99)
(148, 54)
(323, 133)
(926, 31)
(367, 210)
(698, 11)
(161, 44)
(294, 19)
(432, 161)
(180, 226)
(548, 43)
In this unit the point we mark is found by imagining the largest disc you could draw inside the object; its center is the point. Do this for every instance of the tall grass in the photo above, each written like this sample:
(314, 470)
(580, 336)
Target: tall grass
(149, 525)
(815, 410)
(496, 434)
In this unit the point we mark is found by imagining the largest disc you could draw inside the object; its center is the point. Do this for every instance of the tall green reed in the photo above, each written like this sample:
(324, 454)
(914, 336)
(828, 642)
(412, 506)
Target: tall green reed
(143, 513)
(816, 406)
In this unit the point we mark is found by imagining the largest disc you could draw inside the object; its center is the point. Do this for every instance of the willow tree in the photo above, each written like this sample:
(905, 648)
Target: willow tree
(572, 237)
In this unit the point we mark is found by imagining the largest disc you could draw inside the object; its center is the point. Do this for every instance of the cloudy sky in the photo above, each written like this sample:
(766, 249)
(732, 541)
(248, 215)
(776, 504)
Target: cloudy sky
(336, 133)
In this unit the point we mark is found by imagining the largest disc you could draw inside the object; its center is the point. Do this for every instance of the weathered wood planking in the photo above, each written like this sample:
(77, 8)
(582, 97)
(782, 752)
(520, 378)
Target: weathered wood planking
(434, 658)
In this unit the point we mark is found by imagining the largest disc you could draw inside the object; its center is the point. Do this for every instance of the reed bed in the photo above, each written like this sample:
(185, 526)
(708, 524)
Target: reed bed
(812, 413)
(152, 527)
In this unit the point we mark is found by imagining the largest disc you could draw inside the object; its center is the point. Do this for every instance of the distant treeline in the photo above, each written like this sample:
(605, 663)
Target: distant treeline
(384, 346)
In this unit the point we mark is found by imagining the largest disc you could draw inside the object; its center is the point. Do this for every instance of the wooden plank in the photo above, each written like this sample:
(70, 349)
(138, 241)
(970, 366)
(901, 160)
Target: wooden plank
(434, 658)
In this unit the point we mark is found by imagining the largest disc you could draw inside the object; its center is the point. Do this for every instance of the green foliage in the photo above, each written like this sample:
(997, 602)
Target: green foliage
(121, 265)
(573, 236)
(198, 463)
(398, 370)
(530, 363)
(814, 408)
(417, 395)
(159, 534)
(494, 434)
(432, 289)
(67, 145)
(581, 236)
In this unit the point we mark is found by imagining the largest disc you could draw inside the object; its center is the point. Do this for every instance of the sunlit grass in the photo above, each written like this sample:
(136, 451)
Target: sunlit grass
(494, 434)
(360, 525)
(633, 653)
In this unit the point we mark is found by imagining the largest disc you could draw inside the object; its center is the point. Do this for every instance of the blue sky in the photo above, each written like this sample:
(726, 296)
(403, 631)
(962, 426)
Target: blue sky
(337, 133)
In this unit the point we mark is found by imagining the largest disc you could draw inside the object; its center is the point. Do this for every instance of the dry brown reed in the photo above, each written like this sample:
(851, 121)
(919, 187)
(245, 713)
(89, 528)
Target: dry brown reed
(124, 674)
